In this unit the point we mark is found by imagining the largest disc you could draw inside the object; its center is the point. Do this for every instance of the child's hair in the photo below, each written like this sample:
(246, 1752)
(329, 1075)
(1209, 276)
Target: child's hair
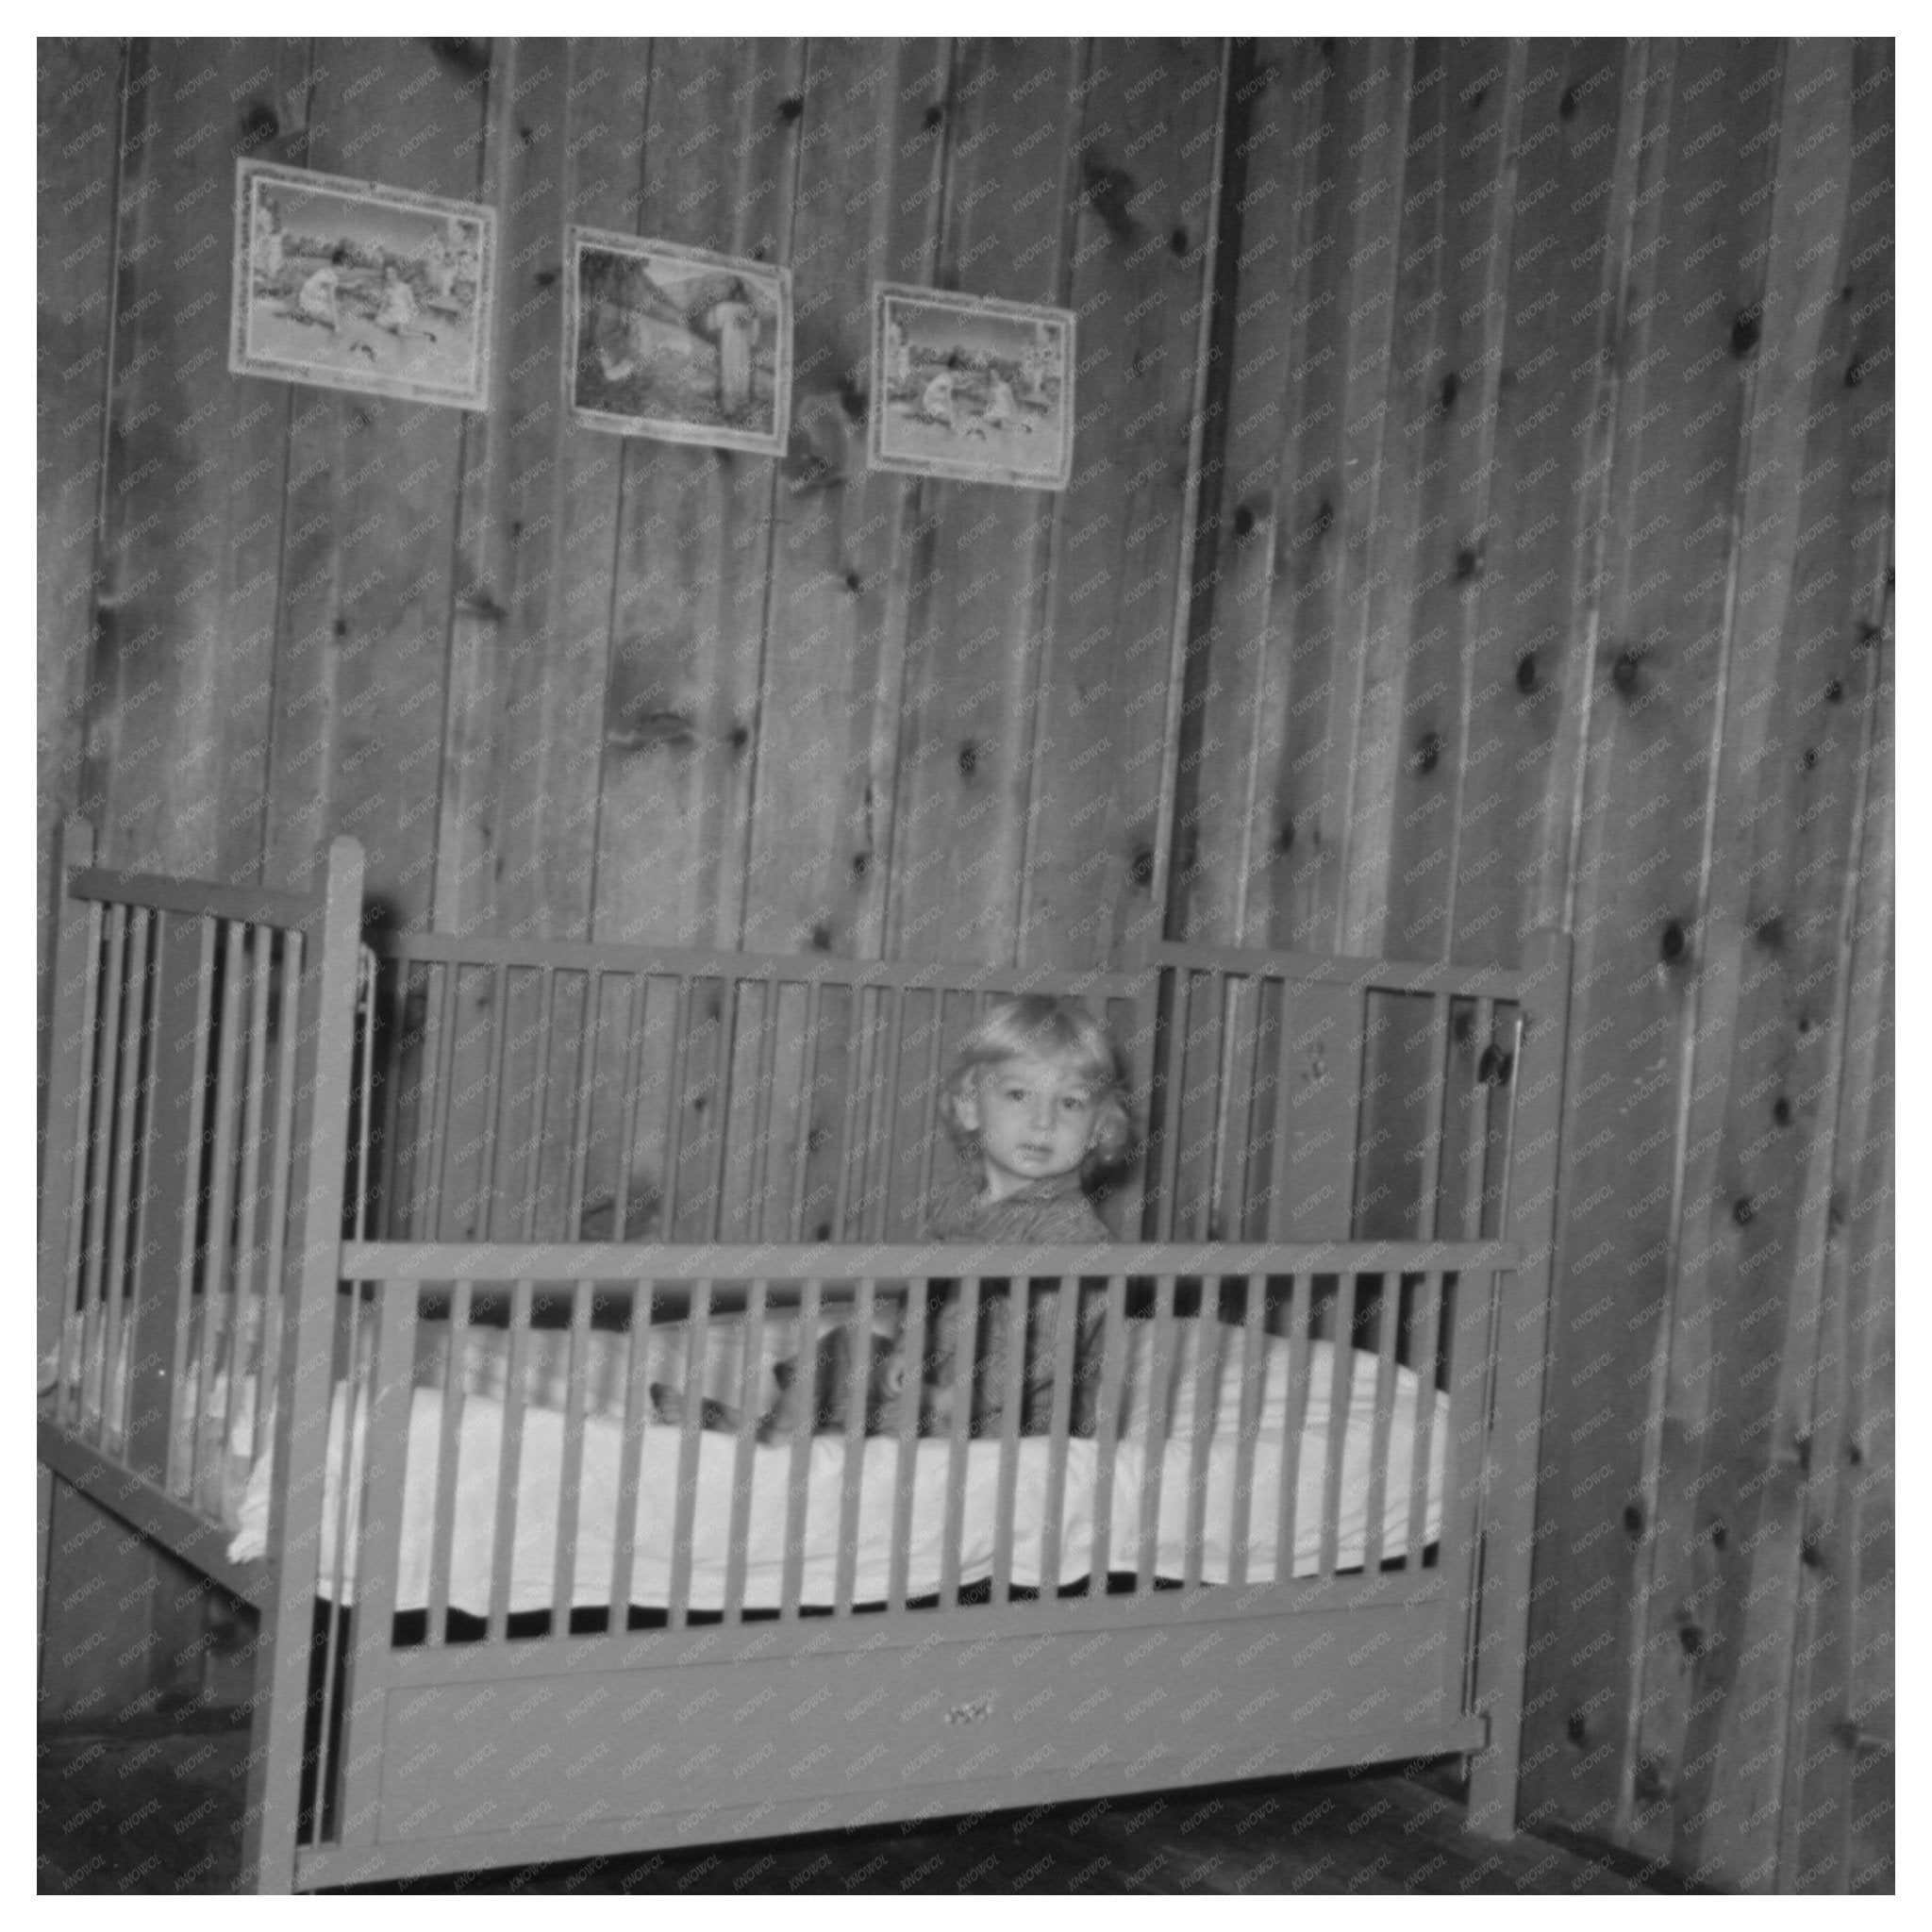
(1046, 1026)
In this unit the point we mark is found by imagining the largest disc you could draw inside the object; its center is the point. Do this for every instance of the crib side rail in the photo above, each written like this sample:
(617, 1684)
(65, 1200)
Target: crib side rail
(667, 1263)
(1303, 1094)
(537, 1091)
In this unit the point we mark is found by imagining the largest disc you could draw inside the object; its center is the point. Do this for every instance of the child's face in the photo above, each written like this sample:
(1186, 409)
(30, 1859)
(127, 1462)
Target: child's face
(1034, 1119)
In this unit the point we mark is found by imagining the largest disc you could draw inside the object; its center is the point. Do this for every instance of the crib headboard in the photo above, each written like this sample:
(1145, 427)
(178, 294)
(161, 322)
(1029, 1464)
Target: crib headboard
(542, 1091)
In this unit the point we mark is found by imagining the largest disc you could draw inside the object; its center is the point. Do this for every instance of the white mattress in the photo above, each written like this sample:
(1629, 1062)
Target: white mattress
(533, 1557)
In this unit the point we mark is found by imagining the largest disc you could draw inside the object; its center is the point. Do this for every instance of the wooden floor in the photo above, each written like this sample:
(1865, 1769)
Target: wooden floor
(154, 1809)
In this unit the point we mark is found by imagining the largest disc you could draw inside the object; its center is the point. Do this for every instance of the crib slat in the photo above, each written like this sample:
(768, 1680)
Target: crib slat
(725, 1035)
(1174, 1128)
(698, 1354)
(129, 1185)
(929, 1087)
(857, 1389)
(493, 1115)
(1226, 1185)
(1341, 1392)
(93, 1360)
(1157, 1410)
(1014, 1309)
(674, 1107)
(1253, 1363)
(216, 1286)
(965, 1346)
(280, 1169)
(449, 1437)
(563, 1582)
(539, 1100)
(1106, 1427)
(1211, 1338)
(633, 1079)
(863, 1010)
(808, 1103)
(72, 1048)
(1434, 1124)
(1425, 1326)
(637, 1417)
(798, 1474)
(744, 1450)
(510, 1465)
(365, 1092)
(116, 1113)
(159, 1444)
(390, 992)
(586, 1089)
(1060, 1426)
(1300, 1369)
(1375, 1530)
(764, 1096)
(913, 1343)
(439, 1049)
(1477, 1126)
(249, 1289)
(876, 1169)
(1497, 1214)
(1262, 1065)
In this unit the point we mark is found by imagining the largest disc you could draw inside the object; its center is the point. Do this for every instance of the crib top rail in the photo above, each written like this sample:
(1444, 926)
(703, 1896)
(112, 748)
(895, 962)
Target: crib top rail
(800, 969)
(774, 1262)
(1357, 973)
(206, 898)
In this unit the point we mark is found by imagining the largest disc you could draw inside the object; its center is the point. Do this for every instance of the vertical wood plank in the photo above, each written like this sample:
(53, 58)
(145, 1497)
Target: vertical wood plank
(1766, 1017)
(1141, 267)
(1697, 277)
(1356, 107)
(1580, 130)
(872, 136)
(682, 704)
(1419, 736)
(366, 584)
(974, 637)
(79, 94)
(1235, 702)
(530, 634)
(192, 512)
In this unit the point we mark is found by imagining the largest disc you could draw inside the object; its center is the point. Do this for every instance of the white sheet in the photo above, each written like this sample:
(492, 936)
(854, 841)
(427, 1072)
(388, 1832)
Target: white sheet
(542, 1465)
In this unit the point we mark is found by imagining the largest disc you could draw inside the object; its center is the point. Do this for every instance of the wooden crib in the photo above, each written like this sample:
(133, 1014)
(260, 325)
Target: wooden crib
(360, 1257)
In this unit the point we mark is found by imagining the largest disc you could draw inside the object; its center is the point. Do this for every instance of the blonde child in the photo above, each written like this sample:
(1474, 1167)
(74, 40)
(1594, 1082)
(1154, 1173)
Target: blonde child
(1036, 1107)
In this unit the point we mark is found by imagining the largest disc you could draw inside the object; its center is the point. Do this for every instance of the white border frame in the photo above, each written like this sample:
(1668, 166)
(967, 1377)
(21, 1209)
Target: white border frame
(242, 360)
(771, 276)
(880, 455)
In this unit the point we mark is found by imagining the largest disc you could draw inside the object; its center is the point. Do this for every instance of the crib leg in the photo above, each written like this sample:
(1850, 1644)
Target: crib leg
(275, 1738)
(1493, 1774)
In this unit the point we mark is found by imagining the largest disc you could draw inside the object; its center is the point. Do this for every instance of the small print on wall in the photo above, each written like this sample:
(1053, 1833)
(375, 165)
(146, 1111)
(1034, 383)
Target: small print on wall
(970, 387)
(676, 344)
(355, 286)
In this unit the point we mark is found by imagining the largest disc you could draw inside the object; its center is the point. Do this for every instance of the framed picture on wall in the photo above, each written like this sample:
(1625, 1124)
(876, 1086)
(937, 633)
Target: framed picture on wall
(968, 387)
(676, 344)
(351, 285)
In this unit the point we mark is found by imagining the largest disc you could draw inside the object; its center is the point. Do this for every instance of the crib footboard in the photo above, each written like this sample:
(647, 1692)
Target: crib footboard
(1235, 1536)
(193, 1187)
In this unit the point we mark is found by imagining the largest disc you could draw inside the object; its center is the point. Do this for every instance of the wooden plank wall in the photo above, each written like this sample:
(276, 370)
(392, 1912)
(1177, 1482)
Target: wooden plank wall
(1550, 583)
(1481, 519)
